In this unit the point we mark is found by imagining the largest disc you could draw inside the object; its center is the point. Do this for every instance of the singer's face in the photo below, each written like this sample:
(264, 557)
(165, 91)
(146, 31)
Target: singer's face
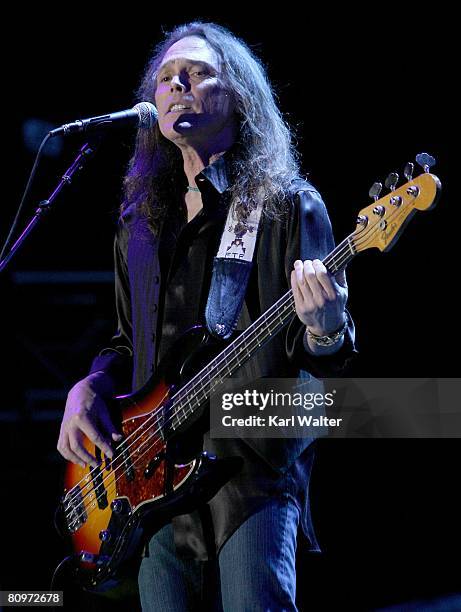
(189, 78)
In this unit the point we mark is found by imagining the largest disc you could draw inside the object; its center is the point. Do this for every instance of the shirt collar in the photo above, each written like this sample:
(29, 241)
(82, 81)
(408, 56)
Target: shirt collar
(216, 174)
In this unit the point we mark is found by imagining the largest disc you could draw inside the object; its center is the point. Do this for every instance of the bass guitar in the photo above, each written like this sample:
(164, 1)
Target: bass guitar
(111, 510)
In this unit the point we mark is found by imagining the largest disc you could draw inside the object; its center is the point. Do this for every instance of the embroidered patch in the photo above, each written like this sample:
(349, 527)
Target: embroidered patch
(239, 237)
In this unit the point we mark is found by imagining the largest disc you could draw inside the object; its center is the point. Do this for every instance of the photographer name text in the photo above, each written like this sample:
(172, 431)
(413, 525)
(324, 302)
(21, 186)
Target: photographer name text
(276, 421)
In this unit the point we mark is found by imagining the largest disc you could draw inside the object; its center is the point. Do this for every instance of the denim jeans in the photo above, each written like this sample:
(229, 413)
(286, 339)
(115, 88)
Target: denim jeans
(255, 570)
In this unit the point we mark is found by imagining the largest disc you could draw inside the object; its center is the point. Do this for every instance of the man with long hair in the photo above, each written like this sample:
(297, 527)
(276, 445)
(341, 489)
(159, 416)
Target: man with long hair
(220, 142)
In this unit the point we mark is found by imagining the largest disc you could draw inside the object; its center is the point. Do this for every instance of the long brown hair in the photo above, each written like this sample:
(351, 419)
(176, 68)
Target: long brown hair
(264, 161)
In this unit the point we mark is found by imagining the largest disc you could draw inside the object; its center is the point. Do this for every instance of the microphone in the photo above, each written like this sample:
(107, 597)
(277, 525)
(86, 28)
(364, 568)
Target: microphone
(142, 115)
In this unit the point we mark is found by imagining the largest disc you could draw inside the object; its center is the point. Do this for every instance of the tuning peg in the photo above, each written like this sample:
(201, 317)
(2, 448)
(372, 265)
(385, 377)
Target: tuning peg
(408, 172)
(375, 190)
(391, 180)
(426, 161)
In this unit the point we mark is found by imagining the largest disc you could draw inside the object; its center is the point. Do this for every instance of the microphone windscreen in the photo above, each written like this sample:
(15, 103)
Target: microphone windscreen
(147, 114)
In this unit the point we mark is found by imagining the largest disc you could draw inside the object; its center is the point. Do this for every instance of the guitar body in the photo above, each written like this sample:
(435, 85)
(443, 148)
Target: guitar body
(111, 511)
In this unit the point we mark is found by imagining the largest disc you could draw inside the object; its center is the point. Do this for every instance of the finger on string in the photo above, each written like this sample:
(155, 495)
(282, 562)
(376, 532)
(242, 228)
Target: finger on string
(294, 286)
(324, 279)
(96, 437)
(76, 446)
(298, 270)
(317, 292)
(69, 453)
(304, 291)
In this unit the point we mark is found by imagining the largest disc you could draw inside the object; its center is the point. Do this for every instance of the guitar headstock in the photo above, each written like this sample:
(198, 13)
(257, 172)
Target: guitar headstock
(381, 223)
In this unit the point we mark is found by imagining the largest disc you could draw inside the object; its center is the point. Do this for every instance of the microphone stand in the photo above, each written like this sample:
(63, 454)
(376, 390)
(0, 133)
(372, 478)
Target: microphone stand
(45, 205)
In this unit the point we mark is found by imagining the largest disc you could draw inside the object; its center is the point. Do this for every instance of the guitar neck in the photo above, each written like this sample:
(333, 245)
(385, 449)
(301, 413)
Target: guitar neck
(340, 256)
(198, 390)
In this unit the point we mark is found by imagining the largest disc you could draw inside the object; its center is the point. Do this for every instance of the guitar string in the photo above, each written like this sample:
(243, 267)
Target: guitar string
(136, 459)
(179, 400)
(191, 398)
(238, 342)
(173, 416)
(192, 383)
(175, 397)
(288, 304)
(347, 252)
(88, 497)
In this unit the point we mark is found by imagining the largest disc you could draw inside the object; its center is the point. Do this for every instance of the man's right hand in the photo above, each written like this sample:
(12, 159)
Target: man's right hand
(86, 413)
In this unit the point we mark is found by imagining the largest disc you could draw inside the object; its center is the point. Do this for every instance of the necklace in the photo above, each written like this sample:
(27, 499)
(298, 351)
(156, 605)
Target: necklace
(189, 188)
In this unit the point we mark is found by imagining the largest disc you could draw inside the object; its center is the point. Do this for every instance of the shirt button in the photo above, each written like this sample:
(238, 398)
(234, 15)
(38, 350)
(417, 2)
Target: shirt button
(155, 308)
(156, 280)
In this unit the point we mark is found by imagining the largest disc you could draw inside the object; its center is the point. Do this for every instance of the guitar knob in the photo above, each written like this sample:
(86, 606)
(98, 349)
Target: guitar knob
(426, 161)
(362, 220)
(413, 191)
(408, 172)
(375, 190)
(116, 506)
(396, 201)
(379, 210)
(104, 535)
(391, 181)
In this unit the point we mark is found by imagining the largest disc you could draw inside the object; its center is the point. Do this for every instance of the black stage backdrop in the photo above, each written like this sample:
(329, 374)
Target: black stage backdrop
(366, 92)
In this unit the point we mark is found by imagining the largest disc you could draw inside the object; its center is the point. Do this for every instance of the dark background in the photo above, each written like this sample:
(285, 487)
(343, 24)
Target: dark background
(366, 91)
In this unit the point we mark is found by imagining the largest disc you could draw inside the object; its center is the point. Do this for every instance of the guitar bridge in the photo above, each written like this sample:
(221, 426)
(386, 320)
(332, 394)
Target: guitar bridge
(74, 509)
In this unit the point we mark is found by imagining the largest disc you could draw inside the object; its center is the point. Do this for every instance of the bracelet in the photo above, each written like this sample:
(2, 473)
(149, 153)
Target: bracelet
(329, 339)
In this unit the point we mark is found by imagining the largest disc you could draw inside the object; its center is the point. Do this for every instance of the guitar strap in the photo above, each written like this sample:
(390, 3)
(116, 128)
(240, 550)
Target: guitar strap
(231, 272)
